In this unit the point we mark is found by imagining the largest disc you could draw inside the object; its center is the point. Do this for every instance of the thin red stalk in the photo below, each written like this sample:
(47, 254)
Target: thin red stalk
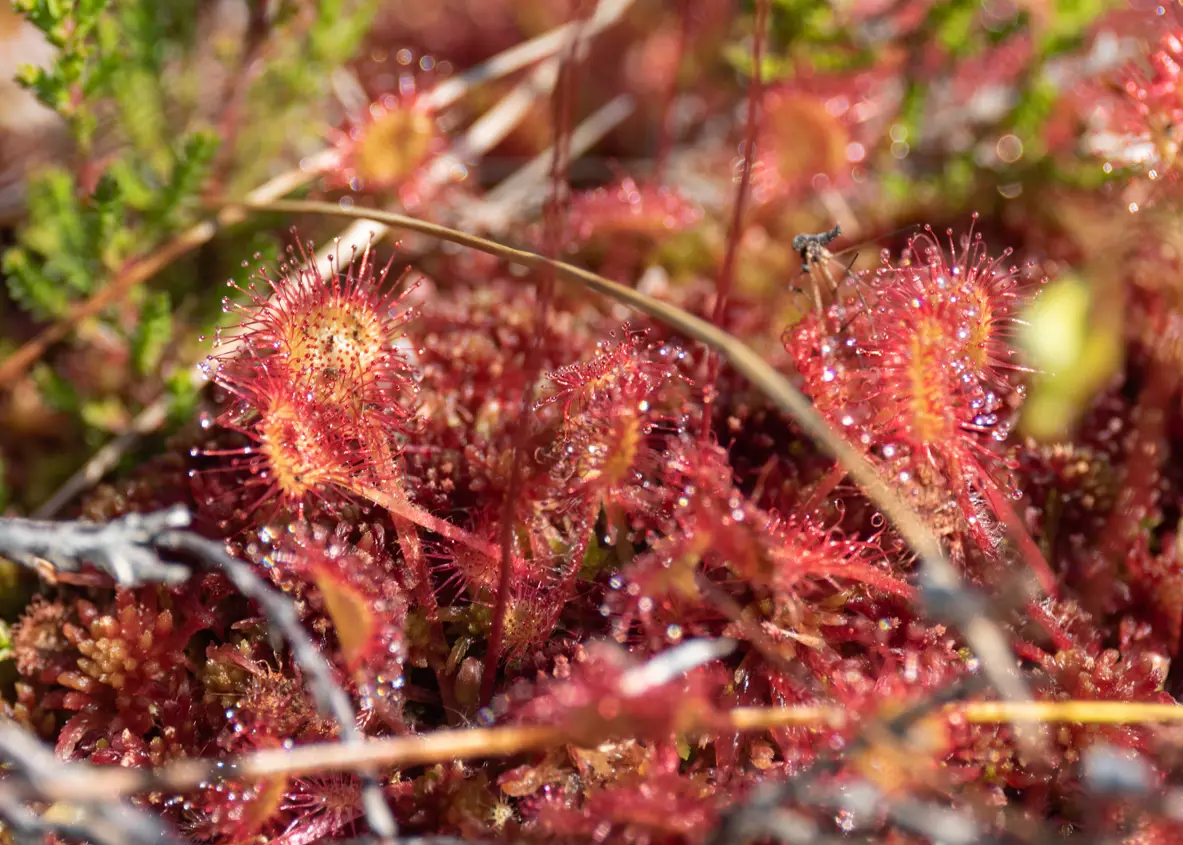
(735, 233)
(230, 118)
(553, 221)
(664, 129)
(412, 547)
(1142, 466)
(825, 486)
(403, 508)
(1027, 547)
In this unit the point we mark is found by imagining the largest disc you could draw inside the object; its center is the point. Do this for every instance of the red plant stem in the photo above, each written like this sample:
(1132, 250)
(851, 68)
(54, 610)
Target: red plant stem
(230, 121)
(1137, 498)
(402, 508)
(735, 232)
(825, 486)
(412, 548)
(664, 128)
(563, 101)
(1027, 547)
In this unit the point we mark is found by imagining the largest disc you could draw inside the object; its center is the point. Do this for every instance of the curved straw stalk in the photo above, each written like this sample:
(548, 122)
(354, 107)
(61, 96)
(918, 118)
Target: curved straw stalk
(81, 783)
(940, 579)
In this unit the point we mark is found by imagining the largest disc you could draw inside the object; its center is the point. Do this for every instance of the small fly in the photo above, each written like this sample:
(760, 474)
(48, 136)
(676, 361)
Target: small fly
(817, 262)
(828, 271)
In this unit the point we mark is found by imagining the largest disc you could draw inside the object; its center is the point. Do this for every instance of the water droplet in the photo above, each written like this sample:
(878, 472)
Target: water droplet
(845, 820)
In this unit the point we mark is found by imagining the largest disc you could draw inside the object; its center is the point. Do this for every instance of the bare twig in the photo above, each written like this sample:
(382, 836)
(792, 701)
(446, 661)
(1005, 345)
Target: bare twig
(126, 549)
(122, 548)
(747, 819)
(402, 752)
(522, 55)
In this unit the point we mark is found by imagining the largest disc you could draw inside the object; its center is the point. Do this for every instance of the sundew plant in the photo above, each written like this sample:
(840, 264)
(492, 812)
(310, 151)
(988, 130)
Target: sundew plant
(664, 422)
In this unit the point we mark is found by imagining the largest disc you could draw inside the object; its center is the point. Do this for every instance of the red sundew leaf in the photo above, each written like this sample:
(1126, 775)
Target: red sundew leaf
(926, 384)
(391, 144)
(627, 209)
(942, 345)
(800, 139)
(582, 385)
(1154, 106)
(324, 806)
(234, 812)
(361, 597)
(717, 527)
(298, 452)
(352, 619)
(335, 340)
(818, 129)
(619, 410)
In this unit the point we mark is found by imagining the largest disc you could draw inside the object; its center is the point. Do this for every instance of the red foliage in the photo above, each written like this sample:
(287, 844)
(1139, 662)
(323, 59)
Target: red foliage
(364, 439)
(1156, 99)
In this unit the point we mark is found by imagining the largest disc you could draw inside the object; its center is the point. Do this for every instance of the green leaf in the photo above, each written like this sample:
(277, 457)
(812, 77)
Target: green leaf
(1032, 111)
(30, 288)
(57, 391)
(182, 396)
(6, 650)
(191, 168)
(108, 415)
(955, 24)
(153, 333)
